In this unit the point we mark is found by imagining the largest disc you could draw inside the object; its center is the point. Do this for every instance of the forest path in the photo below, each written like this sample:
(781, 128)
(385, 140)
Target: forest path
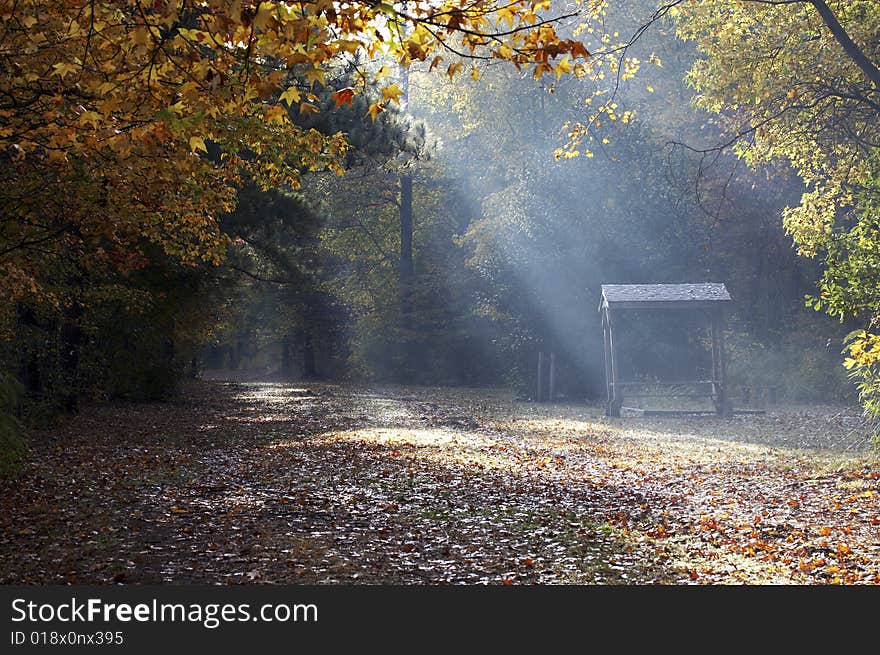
(285, 483)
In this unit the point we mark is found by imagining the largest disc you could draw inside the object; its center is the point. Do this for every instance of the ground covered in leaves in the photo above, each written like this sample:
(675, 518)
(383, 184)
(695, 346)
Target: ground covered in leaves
(284, 483)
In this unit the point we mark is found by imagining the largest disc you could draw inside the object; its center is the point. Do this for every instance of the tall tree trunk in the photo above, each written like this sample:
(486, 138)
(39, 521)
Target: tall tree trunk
(310, 370)
(29, 364)
(236, 353)
(69, 355)
(406, 228)
(285, 356)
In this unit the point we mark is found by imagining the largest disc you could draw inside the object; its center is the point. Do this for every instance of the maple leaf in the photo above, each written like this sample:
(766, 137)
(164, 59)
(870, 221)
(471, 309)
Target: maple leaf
(347, 45)
(63, 69)
(197, 143)
(90, 118)
(453, 68)
(375, 109)
(277, 115)
(264, 13)
(563, 67)
(291, 96)
(344, 96)
(316, 75)
(507, 14)
(392, 92)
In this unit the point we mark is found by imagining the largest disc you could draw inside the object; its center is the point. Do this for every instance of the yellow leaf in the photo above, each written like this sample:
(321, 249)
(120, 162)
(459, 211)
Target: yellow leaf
(392, 92)
(264, 13)
(347, 45)
(290, 96)
(316, 75)
(453, 68)
(563, 67)
(197, 143)
(375, 109)
(382, 72)
(90, 118)
(475, 74)
(650, 89)
(507, 14)
(62, 69)
(277, 114)
(308, 108)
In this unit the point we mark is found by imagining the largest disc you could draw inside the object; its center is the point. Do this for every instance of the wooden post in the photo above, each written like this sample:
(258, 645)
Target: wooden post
(726, 409)
(616, 398)
(720, 397)
(551, 383)
(539, 396)
(605, 340)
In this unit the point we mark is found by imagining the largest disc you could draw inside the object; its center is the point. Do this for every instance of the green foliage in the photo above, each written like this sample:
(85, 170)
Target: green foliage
(791, 84)
(802, 367)
(863, 364)
(12, 445)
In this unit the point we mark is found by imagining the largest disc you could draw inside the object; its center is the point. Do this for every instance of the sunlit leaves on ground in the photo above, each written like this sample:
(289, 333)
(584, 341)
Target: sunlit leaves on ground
(330, 484)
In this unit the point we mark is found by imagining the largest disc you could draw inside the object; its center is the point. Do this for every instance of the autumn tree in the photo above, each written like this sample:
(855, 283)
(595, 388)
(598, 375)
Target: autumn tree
(127, 128)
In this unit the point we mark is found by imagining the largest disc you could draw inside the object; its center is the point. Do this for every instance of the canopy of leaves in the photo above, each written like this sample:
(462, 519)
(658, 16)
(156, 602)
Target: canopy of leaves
(798, 82)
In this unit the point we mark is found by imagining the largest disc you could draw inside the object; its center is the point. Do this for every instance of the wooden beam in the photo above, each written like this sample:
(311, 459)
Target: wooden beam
(664, 304)
(607, 349)
(539, 395)
(718, 364)
(616, 398)
(722, 364)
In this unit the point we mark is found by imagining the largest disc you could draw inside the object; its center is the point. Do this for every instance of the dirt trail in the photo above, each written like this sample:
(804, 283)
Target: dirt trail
(284, 483)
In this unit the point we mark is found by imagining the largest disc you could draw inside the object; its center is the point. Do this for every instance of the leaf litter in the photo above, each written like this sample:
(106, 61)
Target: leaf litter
(339, 484)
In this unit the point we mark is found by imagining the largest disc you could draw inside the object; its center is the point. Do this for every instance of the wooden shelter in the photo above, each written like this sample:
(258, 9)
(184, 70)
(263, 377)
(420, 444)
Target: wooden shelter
(618, 299)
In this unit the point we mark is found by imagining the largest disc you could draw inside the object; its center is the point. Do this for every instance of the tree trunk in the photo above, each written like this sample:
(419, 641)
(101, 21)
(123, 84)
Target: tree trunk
(70, 344)
(310, 370)
(406, 228)
(29, 364)
(285, 356)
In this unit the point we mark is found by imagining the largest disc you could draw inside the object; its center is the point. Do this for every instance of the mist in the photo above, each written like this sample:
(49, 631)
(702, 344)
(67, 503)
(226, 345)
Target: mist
(513, 238)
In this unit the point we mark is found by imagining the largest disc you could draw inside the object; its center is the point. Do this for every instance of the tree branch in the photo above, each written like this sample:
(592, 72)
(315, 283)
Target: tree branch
(852, 50)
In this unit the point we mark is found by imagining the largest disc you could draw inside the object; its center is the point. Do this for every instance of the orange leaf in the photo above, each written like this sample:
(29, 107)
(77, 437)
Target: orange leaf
(344, 96)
